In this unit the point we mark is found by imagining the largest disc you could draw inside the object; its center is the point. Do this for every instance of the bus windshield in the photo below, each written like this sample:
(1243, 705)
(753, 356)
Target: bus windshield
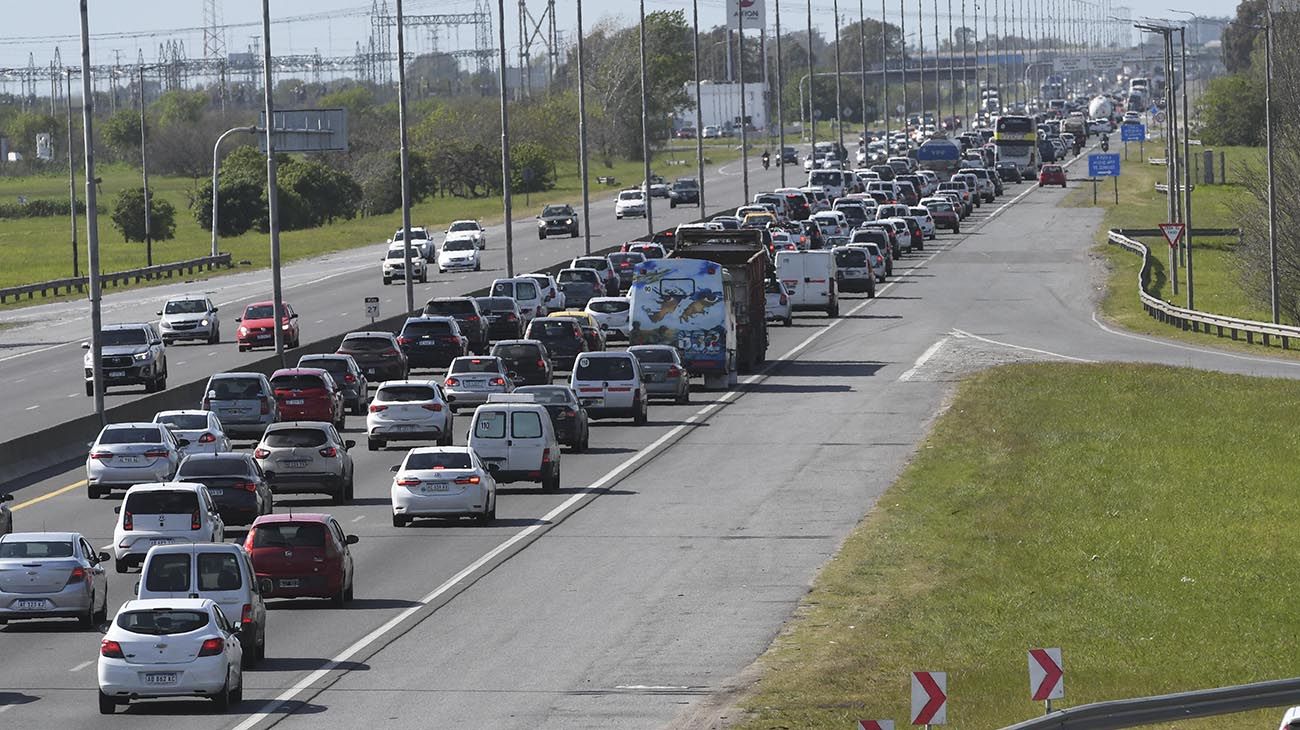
(1015, 127)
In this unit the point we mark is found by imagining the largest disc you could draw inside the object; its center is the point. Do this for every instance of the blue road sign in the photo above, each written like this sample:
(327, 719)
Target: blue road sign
(1103, 165)
(1132, 132)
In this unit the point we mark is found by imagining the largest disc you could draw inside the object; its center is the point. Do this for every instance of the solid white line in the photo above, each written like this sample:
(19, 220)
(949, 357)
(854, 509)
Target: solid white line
(1190, 348)
(32, 408)
(32, 352)
(929, 353)
(82, 665)
(1049, 353)
(358, 518)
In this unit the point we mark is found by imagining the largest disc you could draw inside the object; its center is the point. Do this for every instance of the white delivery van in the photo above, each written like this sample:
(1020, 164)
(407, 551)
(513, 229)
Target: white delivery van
(513, 436)
(809, 277)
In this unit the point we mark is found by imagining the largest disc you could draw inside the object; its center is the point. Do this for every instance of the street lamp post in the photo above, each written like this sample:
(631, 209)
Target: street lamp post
(144, 172)
(780, 92)
(92, 221)
(272, 191)
(645, 127)
(1274, 279)
(582, 129)
(839, 102)
(506, 201)
(812, 85)
(408, 278)
(216, 165)
(699, 109)
(72, 175)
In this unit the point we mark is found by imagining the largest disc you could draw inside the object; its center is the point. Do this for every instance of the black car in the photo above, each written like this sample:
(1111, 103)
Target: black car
(594, 337)
(505, 322)
(465, 309)
(625, 266)
(789, 156)
(1009, 172)
(684, 191)
(528, 361)
(432, 342)
(347, 374)
(572, 427)
(562, 337)
(235, 482)
(557, 219)
(578, 293)
(378, 354)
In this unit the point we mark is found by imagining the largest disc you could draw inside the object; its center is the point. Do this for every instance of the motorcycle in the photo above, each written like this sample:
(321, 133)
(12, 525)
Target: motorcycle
(767, 161)
(1105, 144)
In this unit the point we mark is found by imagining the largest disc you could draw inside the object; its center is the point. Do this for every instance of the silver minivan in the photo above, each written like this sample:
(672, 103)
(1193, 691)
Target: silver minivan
(515, 439)
(610, 384)
(244, 402)
(221, 572)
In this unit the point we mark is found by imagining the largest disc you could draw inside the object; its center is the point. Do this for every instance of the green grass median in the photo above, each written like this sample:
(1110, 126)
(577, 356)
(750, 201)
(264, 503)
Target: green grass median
(1141, 518)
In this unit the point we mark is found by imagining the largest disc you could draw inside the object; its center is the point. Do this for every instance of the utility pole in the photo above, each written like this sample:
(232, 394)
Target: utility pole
(583, 170)
(699, 112)
(272, 192)
(780, 107)
(862, 61)
(812, 84)
(952, 72)
(505, 141)
(884, 68)
(965, 68)
(645, 127)
(839, 102)
(408, 277)
(902, 24)
(92, 221)
(1187, 172)
(144, 171)
(920, 62)
(72, 175)
(1274, 285)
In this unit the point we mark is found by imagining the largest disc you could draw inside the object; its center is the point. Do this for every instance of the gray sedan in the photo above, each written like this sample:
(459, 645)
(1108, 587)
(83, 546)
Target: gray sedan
(52, 575)
(665, 373)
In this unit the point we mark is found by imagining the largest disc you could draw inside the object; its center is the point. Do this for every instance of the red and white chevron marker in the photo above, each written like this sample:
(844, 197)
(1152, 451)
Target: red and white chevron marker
(875, 725)
(1046, 675)
(929, 698)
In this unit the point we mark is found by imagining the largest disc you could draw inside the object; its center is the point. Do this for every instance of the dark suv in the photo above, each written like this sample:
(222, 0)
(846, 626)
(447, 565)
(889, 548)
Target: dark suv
(505, 322)
(527, 361)
(562, 337)
(557, 219)
(465, 309)
(432, 342)
(378, 354)
(685, 191)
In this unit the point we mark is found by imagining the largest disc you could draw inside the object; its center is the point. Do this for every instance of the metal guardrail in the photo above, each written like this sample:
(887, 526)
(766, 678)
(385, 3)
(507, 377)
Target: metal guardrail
(1192, 319)
(65, 286)
(1164, 188)
(1161, 161)
(1116, 714)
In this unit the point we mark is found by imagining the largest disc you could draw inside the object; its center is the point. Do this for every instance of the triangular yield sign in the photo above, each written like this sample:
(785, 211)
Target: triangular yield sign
(1173, 233)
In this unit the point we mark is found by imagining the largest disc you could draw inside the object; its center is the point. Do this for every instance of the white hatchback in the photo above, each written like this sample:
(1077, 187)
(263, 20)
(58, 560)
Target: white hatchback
(610, 384)
(630, 203)
(170, 647)
(162, 514)
(442, 481)
(611, 315)
(201, 428)
(408, 410)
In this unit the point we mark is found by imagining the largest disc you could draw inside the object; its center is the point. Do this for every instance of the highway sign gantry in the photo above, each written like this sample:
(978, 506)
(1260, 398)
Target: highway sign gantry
(874, 725)
(929, 698)
(1046, 675)
(1173, 233)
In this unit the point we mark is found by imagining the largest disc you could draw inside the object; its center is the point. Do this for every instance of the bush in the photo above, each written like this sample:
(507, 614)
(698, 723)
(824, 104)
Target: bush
(128, 216)
(1232, 111)
(39, 209)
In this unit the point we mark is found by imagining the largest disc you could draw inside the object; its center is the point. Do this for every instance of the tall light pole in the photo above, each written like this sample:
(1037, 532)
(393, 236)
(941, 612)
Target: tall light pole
(1187, 172)
(92, 221)
(582, 129)
(272, 190)
(862, 61)
(216, 166)
(780, 107)
(902, 25)
(699, 110)
(72, 175)
(952, 70)
(839, 101)
(884, 69)
(144, 172)
(812, 85)
(645, 128)
(920, 58)
(408, 277)
(1274, 280)
(505, 140)
(965, 68)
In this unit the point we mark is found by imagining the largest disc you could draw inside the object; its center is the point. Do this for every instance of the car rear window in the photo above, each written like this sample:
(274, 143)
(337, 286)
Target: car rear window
(516, 352)
(162, 502)
(162, 621)
(221, 466)
(405, 393)
(300, 381)
(139, 435)
(549, 329)
(219, 572)
(578, 288)
(605, 368)
(626, 258)
(36, 549)
(289, 534)
(525, 425)
(654, 355)
(609, 307)
(332, 365)
(549, 395)
(235, 388)
(168, 573)
(850, 257)
(450, 307)
(490, 424)
(526, 290)
(581, 275)
(185, 421)
(474, 365)
(366, 344)
(420, 329)
(295, 437)
(439, 460)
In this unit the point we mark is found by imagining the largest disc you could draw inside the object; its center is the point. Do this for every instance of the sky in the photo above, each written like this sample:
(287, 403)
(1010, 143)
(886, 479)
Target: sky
(34, 29)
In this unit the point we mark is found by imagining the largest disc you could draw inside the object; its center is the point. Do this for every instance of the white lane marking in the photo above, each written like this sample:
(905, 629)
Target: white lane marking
(20, 380)
(73, 395)
(181, 362)
(358, 518)
(32, 352)
(32, 408)
(6, 708)
(319, 321)
(929, 353)
(82, 665)
(106, 547)
(212, 354)
(1190, 348)
(1049, 353)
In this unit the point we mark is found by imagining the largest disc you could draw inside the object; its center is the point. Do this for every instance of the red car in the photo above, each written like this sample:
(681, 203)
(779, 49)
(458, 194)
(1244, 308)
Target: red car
(257, 326)
(308, 394)
(304, 555)
(1051, 175)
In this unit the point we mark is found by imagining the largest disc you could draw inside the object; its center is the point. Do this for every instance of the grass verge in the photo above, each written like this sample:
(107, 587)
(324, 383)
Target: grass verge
(1038, 514)
(39, 249)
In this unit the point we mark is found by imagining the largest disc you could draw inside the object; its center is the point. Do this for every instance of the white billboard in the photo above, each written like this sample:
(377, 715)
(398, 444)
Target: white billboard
(754, 14)
(44, 147)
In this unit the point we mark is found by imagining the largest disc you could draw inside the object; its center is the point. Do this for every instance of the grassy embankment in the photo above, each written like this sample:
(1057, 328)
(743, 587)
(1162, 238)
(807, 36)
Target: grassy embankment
(39, 249)
(1038, 514)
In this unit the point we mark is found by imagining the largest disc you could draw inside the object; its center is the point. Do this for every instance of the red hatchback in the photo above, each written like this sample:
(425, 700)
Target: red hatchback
(1051, 175)
(304, 555)
(308, 394)
(257, 326)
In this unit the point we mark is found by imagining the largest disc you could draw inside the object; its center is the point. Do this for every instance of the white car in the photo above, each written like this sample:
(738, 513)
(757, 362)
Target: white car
(201, 428)
(832, 223)
(778, 302)
(612, 315)
(458, 255)
(394, 264)
(610, 385)
(515, 438)
(162, 514)
(170, 647)
(466, 230)
(711, 132)
(126, 454)
(630, 203)
(189, 317)
(924, 220)
(408, 410)
(1100, 125)
(442, 481)
(552, 297)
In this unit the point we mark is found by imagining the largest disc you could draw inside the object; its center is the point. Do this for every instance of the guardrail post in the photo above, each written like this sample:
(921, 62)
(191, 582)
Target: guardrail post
(1265, 339)
(1250, 337)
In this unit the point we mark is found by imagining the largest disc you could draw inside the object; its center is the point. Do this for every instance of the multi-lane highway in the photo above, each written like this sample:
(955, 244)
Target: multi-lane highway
(674, 552)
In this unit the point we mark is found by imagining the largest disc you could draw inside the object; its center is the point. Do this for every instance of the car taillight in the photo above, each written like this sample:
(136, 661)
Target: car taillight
(246, 615)
(498, 381)
(127, 522)
(546, 456)
(99, 455)
(541, 363)
(468, 480)
(78, 574)
(329, 452)
(451, 382)
(567, 413)
(375, 408)
(247, 486)
(408, 482)
(435, 407)
(404, 340)
(207, 438)
(206, 404)
(194, 520)
(211, 647)
(349, 378)
(511, 317)
(452, 339)
(472, 318)
(266, 405)
(261, 453)
(156, 453)
(110, 649)
(674, 371)
(389, 351)
(785, 299)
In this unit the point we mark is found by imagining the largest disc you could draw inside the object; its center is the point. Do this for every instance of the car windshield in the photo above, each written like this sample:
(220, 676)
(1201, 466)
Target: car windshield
(438, 460)
(517, 352)
(235, 388)
(161, 502)
(287, 438)
(654, 354)
(556, 210)
(549, 395)
(463, 226)
(36, 549)
(609, 306)
(405, 393)
(366, 344)
(184, 421)
(422, 329)
(400, 253)
(289, 535)
(417, 234)
(118, 338)
(258, 311)
(302, 381)
(629, 195)
(162, 621)
(186, 306)
(134, 435)
(458, 245)
(474, 365)
(222, 465)
(938, 206)
(604, 368)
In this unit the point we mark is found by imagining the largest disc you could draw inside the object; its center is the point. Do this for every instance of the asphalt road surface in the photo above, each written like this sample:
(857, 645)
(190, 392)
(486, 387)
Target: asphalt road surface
(673, 553)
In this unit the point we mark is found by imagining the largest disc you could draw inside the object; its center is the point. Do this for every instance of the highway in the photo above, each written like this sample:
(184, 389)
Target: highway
(640, 595)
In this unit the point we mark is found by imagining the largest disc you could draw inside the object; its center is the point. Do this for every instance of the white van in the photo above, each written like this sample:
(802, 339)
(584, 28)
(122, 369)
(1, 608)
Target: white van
(610, 384)
(220, 572)
(809, 277)
(513, 436)
(525, 291)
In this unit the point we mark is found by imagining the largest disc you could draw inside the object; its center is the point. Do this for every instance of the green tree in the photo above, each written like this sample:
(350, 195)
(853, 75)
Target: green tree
(532, 168)
(121, 133)
(1232, 111)
(1239, 35)
(22, 128)
(128, 216)
(241, 204)
(179, 107)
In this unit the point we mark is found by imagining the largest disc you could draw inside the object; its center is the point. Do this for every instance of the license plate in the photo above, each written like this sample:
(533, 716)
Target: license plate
(427, 343)
(370, 371)
(652, 377)
(288, 582)
(435, 487)
(160, 678)
(264, 337)
(295, 401)
(404, 427)
(233, 411)
(592, 401)
(160, 541)
(128, 459)
(117, 373)
(298, 464)
(40, 605)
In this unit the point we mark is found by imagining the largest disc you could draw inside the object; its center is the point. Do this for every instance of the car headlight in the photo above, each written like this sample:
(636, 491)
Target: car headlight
(284, 327)
(142, 356)
(568, 222)
(243, 330)
(204, 323)
(166, 325)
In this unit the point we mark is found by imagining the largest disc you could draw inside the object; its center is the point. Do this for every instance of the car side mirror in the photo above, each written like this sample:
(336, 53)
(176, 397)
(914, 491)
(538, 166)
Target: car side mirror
(493, 468)
(215, 310)
(159, 313)
(135, 589)
(293, 316)
(351, 539)
(239, 319)
(265, 585)
(103, 557)
(6, 497)
(234, 628)
(85, 345)
(349, 444)
(395, 468)
(182, 442)
(117, 510)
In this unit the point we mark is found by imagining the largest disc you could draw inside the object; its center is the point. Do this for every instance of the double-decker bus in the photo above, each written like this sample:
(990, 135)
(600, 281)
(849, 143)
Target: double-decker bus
(1016, 140)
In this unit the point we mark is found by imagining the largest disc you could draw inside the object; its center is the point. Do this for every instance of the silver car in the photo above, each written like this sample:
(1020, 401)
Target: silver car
(310, 457)
(126, 454)
(664, 372)
(201, 428)
(471, 380)
(189, 317)
(244, 402)
(52, 575)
